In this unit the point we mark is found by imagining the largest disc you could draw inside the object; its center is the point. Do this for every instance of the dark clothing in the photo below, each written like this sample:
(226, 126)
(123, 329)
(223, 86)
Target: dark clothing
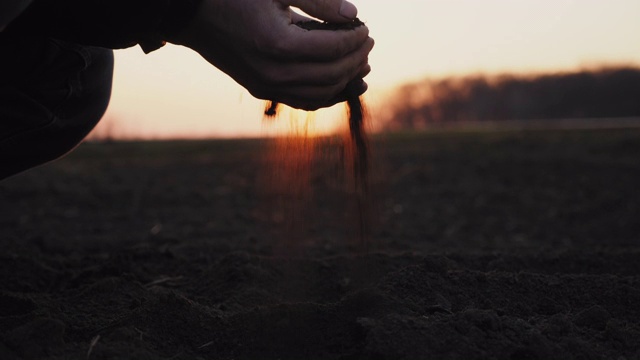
(56, 68)
(52, 93)
(113, 24)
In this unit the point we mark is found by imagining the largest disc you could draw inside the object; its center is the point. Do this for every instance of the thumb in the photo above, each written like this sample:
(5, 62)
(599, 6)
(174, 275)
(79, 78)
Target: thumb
(326, 10)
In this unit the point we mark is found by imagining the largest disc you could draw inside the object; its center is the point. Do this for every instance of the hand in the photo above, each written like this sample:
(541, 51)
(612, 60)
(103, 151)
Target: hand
(257, 43)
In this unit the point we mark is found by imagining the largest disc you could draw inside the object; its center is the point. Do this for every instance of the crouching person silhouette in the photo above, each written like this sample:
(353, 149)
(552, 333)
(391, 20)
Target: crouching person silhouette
(56, 59)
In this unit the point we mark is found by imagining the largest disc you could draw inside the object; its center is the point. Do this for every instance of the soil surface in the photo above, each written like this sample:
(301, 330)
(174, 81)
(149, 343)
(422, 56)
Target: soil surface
(487, 245)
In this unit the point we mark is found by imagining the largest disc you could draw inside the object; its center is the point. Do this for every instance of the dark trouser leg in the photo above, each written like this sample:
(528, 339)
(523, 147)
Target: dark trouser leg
(52, 94)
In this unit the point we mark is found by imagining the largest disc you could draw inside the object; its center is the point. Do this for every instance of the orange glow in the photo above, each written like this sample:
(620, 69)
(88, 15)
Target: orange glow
(289, 162)
(292, 123)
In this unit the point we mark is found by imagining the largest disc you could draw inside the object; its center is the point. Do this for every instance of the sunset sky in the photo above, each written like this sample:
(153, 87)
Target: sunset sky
(172, 92)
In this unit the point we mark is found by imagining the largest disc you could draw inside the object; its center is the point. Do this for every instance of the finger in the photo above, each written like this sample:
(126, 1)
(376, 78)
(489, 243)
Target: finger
(297, 17)
(305, 95)
(312, 97)
(327, 10)
(314, 73)
(323, 45)
(355, 88)
(300, 97)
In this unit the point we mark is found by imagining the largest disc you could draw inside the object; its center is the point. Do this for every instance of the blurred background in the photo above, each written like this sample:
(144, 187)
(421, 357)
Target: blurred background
(435, 61)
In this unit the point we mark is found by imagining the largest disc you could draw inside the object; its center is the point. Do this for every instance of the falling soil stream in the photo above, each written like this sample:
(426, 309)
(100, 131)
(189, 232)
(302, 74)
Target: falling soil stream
(359, 148)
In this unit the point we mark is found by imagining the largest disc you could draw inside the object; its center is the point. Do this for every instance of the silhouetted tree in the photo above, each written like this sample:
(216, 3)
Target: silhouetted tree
(603, 93)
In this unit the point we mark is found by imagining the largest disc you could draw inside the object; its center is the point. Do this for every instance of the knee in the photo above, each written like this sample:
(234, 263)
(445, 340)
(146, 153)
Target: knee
(90, 95)
(103, 79)
(45, 122)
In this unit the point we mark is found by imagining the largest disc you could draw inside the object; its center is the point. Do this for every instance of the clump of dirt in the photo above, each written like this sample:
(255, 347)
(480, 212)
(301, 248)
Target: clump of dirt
(359, 146)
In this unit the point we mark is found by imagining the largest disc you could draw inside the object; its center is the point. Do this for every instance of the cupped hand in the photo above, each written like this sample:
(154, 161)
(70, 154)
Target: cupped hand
(257, 43)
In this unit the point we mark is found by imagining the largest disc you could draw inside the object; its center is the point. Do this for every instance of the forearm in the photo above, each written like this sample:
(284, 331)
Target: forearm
(10, 9)
(113, 24)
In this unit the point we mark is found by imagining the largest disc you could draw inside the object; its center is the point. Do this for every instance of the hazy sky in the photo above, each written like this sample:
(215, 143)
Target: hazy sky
(172, 92)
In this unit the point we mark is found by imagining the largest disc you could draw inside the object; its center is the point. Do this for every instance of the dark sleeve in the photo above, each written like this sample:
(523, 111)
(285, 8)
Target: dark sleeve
(112, 24)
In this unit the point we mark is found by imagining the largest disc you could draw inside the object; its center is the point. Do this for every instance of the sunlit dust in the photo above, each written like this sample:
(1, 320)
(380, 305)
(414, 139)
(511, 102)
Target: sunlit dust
(301, 157)
(288, 169)
(291, 122)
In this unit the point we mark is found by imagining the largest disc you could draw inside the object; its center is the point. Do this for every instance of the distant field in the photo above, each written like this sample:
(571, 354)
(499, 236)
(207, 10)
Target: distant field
(443, 188)
(486, 244)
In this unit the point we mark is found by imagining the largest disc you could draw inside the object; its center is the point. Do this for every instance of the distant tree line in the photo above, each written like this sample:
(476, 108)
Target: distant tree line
(602, 93)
